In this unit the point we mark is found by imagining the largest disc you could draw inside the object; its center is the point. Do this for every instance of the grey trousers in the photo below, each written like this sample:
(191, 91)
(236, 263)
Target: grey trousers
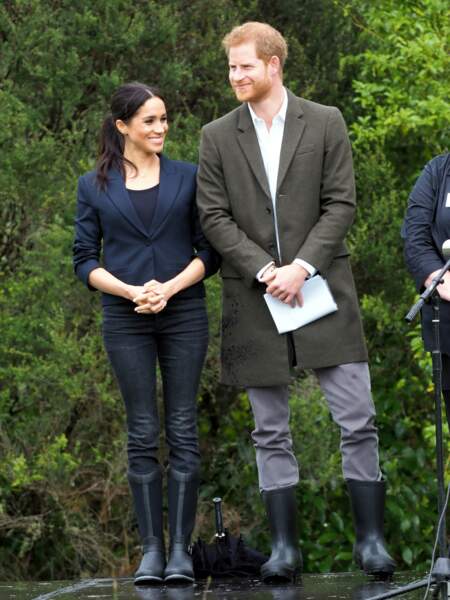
(347, 391)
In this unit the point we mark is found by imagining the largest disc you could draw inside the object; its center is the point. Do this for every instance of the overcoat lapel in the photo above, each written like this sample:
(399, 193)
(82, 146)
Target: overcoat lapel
(170, 180)
(293, 131)
(249, 143)
(118, 194)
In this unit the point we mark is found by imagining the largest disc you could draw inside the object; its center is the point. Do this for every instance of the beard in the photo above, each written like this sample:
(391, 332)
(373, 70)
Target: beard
(254, 91)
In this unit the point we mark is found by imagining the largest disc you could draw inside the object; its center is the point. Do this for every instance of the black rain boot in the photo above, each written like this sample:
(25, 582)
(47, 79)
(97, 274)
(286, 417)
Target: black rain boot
(147, 496)
(369, 551)
(285, 560)
(182, 491)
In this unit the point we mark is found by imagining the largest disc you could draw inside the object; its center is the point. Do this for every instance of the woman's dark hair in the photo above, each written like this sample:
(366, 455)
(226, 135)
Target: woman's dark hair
(125, 103)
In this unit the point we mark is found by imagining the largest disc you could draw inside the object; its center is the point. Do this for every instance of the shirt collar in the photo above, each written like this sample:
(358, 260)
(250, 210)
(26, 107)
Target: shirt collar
(281, 114)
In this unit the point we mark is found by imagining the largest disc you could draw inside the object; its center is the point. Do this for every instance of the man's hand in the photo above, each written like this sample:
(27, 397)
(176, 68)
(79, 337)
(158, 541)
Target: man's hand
(443, 288)
(285, 283)
(268, 274)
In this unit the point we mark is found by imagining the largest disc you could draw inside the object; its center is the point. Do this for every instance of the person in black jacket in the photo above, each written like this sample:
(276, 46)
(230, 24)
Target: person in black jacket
(138, 207)
(425, 229)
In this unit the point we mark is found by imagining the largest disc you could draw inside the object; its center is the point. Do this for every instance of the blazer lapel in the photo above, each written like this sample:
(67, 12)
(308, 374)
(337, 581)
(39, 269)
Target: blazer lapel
(293, 131)
(118, 194)
(249, 143)
(169, 185)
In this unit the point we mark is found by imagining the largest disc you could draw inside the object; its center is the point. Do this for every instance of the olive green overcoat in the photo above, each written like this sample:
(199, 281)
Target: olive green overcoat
(315, 207)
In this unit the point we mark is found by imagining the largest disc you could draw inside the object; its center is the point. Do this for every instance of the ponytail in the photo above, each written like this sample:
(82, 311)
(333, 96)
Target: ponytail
(110, 155)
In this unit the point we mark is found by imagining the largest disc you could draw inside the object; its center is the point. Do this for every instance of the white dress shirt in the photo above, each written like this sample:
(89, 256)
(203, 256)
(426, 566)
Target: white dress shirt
(270, 145)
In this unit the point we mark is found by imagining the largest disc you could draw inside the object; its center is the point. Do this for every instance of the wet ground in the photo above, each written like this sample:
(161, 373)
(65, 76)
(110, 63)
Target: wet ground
(339, 586)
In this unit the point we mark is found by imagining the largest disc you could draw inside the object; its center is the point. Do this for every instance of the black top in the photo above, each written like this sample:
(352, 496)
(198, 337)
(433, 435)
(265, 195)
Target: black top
(144, 202)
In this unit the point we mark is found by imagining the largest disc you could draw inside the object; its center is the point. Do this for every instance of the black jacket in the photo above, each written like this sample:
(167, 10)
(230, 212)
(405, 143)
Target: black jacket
(107, 221)
(425, 229)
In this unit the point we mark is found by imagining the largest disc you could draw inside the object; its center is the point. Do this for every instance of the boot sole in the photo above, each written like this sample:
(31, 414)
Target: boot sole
(278, 579)
(178, 578)
(381, 572)
(147, 579)
(281, 576)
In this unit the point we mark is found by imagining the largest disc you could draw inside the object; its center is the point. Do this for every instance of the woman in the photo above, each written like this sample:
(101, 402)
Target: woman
(426, 227)
(140, 206)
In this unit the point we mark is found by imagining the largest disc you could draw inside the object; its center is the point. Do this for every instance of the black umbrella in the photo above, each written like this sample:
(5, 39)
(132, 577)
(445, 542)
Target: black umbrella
(227, 556)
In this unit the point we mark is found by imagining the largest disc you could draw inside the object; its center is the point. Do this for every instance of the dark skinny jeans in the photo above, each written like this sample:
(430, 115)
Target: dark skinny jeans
(177, 338)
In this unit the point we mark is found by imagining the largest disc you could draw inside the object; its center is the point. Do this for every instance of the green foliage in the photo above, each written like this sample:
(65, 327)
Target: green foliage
(61, 422)
(402, 85)
(65, 509)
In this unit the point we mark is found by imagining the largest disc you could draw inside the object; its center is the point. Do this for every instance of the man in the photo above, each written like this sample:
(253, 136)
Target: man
(276, 197)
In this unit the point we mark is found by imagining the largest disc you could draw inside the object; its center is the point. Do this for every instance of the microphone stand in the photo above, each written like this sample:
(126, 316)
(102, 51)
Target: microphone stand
(440, 573)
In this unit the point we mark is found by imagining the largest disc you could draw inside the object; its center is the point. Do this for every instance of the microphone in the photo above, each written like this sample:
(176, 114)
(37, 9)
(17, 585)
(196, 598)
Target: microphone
(446, 249)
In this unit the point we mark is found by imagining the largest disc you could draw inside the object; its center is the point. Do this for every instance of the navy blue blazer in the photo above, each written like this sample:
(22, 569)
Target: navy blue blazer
(425, 228)
(108, 224)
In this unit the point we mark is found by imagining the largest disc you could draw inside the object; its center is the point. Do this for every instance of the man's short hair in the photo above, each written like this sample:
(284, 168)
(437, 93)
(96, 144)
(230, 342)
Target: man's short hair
(268, 41)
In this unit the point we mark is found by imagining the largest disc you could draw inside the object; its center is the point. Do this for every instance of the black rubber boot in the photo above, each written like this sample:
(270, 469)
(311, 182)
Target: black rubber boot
(285, 561)
(182, 491)
(146, 489)
(369, 551)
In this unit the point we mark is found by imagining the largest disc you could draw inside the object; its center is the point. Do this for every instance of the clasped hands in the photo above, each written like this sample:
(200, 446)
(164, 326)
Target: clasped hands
(152, 297)
(285, 283)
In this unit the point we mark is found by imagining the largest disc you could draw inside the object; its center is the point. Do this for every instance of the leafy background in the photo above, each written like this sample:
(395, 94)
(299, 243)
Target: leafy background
(65, 509)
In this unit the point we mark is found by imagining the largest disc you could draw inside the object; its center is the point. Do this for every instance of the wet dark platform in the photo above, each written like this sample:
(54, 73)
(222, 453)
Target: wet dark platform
(340, 586)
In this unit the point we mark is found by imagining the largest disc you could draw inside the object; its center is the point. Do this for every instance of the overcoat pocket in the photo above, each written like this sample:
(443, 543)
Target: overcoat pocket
(305, 149)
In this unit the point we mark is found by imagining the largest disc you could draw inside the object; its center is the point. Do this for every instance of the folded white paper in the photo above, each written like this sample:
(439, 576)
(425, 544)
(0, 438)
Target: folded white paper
(317, 302)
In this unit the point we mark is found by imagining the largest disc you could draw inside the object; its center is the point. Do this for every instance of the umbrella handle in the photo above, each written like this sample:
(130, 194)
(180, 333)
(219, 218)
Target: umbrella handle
(220, 532)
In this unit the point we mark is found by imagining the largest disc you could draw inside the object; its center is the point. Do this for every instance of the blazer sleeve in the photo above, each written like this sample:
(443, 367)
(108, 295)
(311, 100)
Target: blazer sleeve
(88, 236)
(337, 197)
(421, 254)
(203, 249)
(216, 218)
